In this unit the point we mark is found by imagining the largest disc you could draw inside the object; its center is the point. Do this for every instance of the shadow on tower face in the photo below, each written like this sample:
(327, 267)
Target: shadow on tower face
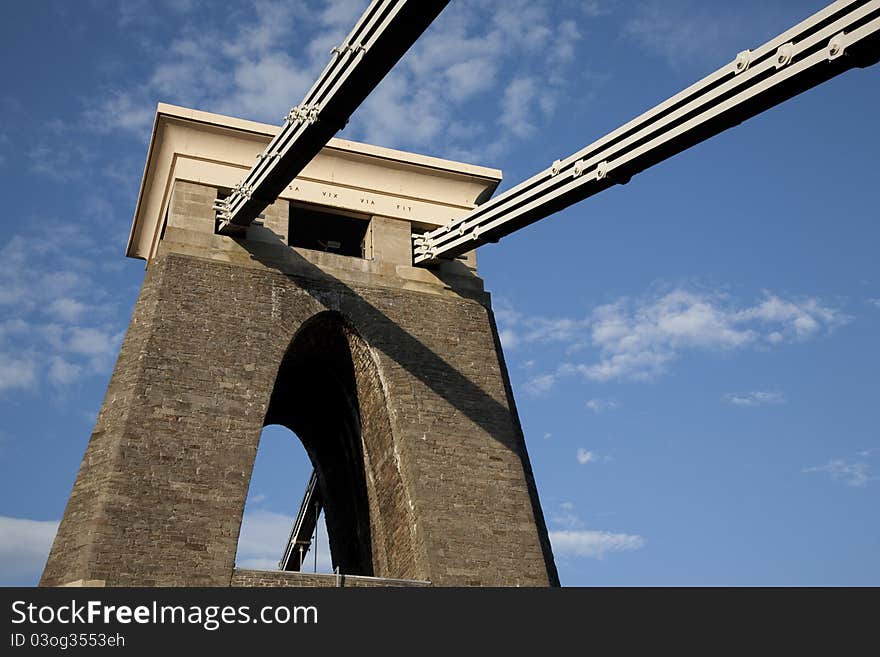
(383, 333)
(351, 535)
(316, 397)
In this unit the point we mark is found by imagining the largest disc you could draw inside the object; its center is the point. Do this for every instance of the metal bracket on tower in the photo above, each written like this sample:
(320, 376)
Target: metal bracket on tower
(221, 207)
(262, 156)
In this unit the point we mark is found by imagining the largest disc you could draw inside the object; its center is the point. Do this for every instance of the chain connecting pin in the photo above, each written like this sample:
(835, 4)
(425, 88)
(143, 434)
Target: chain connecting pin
(302, 114)
(345, 47)
(742, 61)
(784, 54)
(837, 45)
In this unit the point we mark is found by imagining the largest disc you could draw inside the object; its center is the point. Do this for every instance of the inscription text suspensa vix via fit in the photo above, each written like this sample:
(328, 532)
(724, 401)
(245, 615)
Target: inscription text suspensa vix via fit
(334, 290)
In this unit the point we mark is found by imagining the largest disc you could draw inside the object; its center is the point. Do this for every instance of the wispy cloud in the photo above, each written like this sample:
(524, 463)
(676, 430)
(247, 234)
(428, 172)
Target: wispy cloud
(17, 372)
(570, 538)
(514, 59)
(508, 338)
(849, 472)
(242, 68)
(602, 405)
(62, 160)
(466, 58)
(61, 323)
(584, 456)
(756, 398)
(24, 546)
(874, 302)
(62, 372)
(593, 544)
(539, 385)
(639, 338)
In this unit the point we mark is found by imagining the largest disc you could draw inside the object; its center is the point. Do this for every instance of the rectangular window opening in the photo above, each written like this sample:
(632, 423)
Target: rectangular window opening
(325, 230)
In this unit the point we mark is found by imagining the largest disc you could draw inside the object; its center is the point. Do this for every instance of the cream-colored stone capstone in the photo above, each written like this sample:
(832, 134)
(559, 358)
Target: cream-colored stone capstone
(399, 192)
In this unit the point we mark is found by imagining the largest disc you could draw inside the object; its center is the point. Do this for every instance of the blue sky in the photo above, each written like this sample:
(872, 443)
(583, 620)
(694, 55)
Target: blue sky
(694, 355)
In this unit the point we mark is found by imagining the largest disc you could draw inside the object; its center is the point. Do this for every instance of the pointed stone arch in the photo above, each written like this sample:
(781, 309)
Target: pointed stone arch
(329, 392)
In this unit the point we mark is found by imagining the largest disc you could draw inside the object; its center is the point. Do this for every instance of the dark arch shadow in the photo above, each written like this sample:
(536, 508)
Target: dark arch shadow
(444, 379)
(327, 392)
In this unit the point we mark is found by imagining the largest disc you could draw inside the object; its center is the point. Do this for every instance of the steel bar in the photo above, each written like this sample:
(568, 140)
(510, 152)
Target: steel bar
(844, 35)
(387, 29)
(303, 527)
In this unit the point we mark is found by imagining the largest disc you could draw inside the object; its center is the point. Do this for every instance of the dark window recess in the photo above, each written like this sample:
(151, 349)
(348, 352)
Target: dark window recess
(325, 231)
(164, 225)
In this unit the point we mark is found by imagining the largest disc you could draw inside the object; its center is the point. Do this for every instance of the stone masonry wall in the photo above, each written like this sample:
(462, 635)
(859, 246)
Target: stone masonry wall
(161, 491)
(276, 579)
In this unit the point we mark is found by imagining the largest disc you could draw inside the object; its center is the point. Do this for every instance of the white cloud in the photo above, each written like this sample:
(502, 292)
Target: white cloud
(592, 544)
(516, 329)
(801, 320)
(756, 398)
(874, 302)
(67, 309)
(62, 372)
(584, 456)
(638, 339)
(539, 385)
(851, 473)
(93, 341)
(515, 59)
(17, 372)
(24, 546)
(548, 436)
(13, 327)
(467, 57)
(61, 160)
(519, 105)
(508, 338)
(244, 71)
(120, 110)
(263, 537)
(54, 300)
(602, 405)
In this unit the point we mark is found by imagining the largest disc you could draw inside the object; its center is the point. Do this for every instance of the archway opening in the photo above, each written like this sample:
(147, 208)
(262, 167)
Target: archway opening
(316, 397)
(329, 392)
(280, 476)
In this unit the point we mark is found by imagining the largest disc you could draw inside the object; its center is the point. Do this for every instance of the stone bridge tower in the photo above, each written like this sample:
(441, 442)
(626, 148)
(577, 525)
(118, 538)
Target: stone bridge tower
(392, 376)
